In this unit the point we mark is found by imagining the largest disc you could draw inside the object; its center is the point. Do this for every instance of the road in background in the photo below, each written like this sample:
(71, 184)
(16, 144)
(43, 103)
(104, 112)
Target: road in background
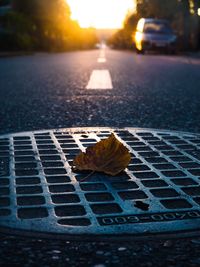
(49, 91)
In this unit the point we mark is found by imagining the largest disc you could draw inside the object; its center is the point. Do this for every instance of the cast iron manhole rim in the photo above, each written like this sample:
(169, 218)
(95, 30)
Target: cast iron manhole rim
(158, 195)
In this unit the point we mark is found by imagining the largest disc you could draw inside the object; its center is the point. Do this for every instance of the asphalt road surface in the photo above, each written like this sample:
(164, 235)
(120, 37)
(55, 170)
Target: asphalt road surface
(49, 91)
(99, 88)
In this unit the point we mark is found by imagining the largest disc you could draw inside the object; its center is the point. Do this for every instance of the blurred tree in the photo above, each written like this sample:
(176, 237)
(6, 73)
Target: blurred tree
(52, 12)
(194, 24)
(53, 9)
(17, 33)
(157, 9)
(122, 39)
(4, 2)
(48, 25)
(50, 19)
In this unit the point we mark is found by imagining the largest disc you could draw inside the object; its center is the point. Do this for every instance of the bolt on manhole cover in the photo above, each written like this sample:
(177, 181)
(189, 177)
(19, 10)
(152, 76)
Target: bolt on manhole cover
(159, 192)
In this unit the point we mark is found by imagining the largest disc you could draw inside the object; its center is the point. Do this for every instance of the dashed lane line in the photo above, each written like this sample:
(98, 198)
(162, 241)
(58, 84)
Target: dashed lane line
(100, 79)
(102, 57)
(101, 60)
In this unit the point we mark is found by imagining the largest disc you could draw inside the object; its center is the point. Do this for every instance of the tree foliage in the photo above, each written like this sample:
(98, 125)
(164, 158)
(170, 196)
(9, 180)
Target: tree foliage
(48, 25)
(157, 9)
(52, 10)
(4, 2)
(122, 39)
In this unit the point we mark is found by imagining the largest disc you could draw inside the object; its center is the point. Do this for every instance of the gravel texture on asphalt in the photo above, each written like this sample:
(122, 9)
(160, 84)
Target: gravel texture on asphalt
(48, 91)
(18, 252)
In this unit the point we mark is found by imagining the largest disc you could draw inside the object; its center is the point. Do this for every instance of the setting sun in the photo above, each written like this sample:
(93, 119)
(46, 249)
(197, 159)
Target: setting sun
(100, 14)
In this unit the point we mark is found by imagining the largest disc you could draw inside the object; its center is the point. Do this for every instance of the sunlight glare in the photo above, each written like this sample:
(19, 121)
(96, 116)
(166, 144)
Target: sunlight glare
(101, 14)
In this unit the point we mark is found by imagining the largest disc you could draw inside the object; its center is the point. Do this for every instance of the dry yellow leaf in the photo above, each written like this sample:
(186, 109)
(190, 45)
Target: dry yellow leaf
(109, 156)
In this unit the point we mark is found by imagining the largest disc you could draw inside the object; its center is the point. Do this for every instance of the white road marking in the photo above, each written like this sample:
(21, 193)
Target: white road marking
(100, 79)
(101, 60)
(102, 54)
(102, 57)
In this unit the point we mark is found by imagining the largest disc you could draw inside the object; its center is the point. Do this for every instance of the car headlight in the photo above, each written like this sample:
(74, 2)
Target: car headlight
(138, 37)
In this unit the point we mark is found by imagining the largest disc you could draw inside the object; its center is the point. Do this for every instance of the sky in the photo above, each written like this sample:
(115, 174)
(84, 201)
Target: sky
(101, 14)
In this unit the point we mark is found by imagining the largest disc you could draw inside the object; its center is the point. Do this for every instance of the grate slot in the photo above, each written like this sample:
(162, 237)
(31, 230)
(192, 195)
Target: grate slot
(32, 213)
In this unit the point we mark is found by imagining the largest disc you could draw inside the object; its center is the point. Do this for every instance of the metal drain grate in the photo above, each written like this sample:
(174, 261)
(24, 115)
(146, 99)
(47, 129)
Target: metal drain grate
(159, 193)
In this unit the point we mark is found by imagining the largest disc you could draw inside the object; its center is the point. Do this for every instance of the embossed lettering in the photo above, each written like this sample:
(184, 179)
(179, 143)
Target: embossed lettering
(148, 218)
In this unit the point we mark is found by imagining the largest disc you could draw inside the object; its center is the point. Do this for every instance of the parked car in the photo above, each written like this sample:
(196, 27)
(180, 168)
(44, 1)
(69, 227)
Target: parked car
(154, 34)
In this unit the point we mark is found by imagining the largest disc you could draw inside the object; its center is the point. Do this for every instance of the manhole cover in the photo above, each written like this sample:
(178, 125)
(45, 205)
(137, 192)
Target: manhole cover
(159, 193)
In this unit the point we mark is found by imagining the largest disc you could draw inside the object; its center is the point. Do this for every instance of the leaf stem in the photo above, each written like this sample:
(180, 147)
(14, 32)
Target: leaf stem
(86, 177)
